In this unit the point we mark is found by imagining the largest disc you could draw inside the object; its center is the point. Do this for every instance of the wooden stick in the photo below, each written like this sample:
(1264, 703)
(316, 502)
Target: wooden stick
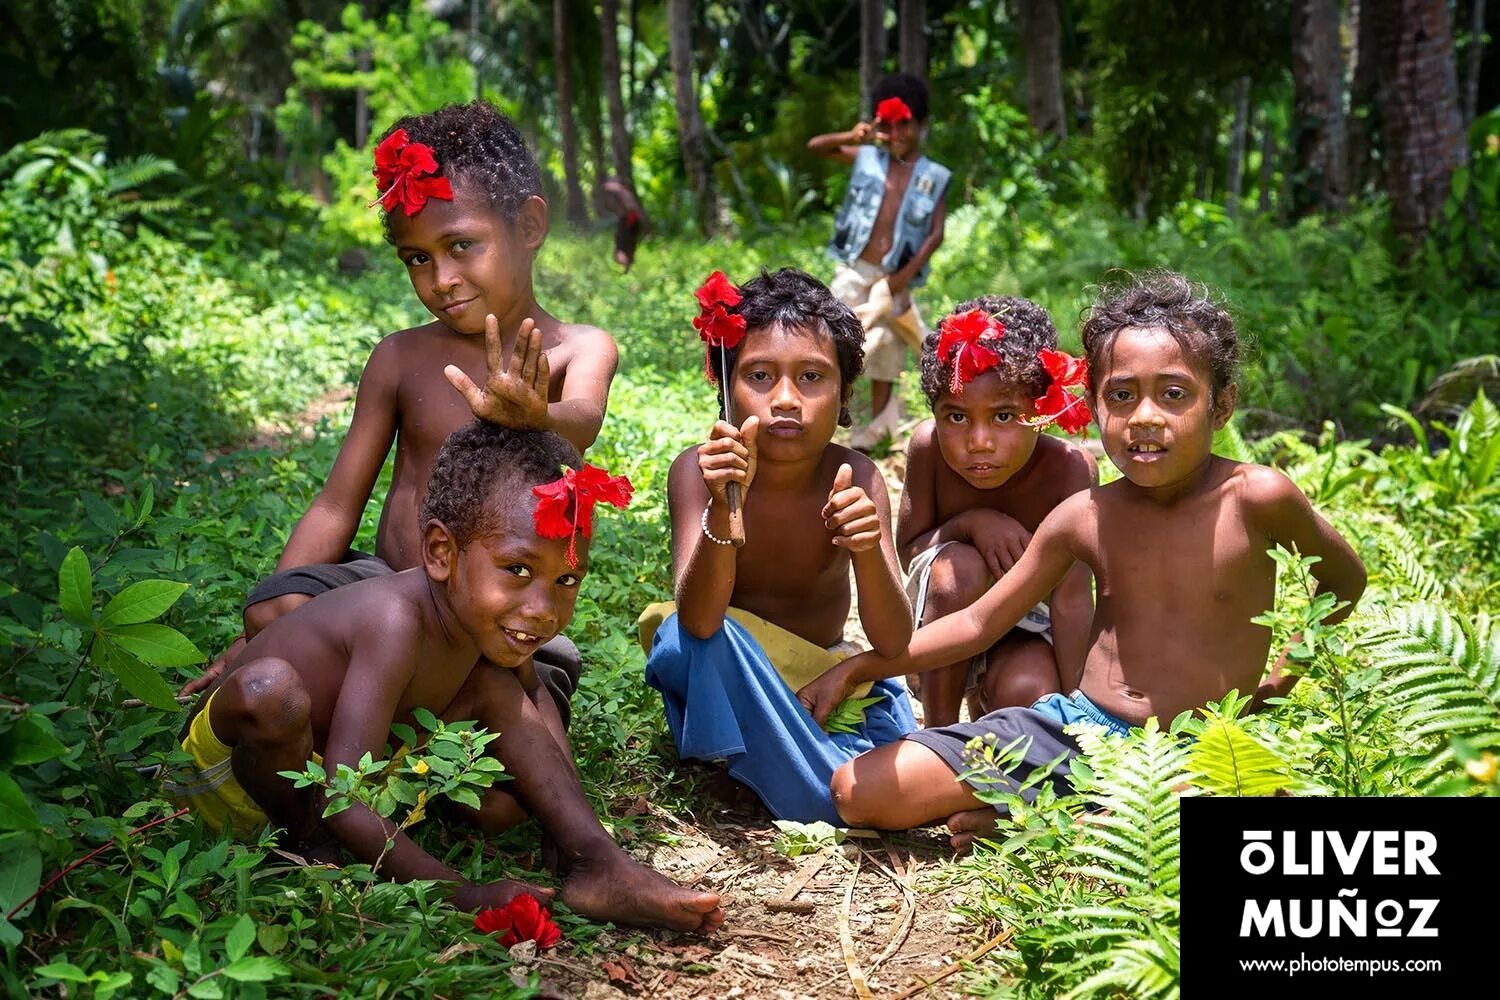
(977, 953)
(736, 496)
(909, 908)
(846, 938)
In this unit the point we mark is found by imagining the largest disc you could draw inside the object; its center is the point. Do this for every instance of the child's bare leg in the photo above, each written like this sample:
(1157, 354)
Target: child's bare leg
(959, 577)
(603, 882)
(263, 712)
(880, 394)
(1022, 668)
(902, 785)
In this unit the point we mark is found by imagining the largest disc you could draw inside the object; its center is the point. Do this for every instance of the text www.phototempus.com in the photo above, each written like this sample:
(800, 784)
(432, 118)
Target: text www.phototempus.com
(1338, 964)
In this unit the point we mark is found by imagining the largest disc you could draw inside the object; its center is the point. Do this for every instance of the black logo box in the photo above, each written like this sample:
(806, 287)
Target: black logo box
(1233, 894)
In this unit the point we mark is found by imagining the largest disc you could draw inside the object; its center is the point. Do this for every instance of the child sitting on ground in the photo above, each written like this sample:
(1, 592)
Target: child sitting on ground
(463, 209)
(504, 550)
(754, 623)
(888, 228)
(980, 477)
(1178, 547)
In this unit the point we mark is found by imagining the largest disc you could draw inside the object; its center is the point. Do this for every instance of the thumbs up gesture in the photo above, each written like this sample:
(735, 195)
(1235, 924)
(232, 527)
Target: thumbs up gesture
(850, 514)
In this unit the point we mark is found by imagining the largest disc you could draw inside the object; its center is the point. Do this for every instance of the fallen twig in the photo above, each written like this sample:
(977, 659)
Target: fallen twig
(181, 699)
(976, 954)
(752, 932)
(909, 913)
(785, 903)
(846, 938)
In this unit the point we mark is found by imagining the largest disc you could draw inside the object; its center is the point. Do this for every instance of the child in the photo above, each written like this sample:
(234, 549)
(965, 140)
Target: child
(463, 208)
(495, 581)
(1178, 547)
(979, 479)
(616, 198)
(889, 226)
(752, 624)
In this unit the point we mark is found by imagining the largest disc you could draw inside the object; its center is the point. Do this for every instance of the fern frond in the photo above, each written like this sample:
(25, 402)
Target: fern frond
(1401, 550)
(1229, 761)
(137, 172)
(1143, 967)
(1442, 677)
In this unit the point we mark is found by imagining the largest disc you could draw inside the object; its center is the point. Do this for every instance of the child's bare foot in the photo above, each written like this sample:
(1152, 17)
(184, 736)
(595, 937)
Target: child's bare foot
(619, 889)
(966, 827)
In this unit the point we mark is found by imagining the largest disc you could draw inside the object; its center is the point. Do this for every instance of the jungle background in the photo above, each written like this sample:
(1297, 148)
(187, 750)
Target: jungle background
(190, 281)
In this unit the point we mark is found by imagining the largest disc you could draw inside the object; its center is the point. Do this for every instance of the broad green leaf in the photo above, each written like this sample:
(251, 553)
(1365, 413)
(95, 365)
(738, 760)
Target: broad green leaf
(272, 937)
(142, 602)
(157, 645)
(260, 969)
(75, 588)
(164, 978)
(148, 500)
(10, 934)
(240, 937)
(206, 989)
(140, 680)
(30, 742)
(15, 811)
(20, 874)
(65, 971)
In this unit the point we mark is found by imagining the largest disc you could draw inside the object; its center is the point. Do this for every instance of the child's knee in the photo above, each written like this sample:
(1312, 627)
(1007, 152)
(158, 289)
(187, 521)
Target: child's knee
(268, 701)
(1020, 674)
(262, 613)
(853, 808)
(498, 811)
(959, 576)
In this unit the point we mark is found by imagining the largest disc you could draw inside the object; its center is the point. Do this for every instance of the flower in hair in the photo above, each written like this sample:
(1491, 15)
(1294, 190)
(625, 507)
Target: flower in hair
(565, 507)
(716, 325)
(405, 174)
(1057, 405)
(893, 110)
(960, 344)
(522, 919)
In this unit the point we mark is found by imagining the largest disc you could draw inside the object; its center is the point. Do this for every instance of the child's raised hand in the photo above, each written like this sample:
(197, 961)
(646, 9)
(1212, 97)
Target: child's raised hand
(728, 456)
(1000, 539)
(862, 133)
(514, 395)
(850, 514)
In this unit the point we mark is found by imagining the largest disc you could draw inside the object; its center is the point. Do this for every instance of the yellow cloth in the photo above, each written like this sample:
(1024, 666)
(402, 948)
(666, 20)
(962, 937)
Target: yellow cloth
(798, 661)
(211, 788)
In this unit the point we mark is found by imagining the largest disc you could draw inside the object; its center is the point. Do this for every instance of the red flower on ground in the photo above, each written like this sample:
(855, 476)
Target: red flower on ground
(565, 507)
(959, 345)
(1057, 405)
(404, 174)
(893, 110)
(522, 919)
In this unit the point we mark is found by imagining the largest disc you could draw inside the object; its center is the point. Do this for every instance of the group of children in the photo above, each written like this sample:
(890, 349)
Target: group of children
(985, 590)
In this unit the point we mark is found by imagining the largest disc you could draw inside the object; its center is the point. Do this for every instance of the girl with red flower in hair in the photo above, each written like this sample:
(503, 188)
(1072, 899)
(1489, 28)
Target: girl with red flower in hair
(979, 480)
(885, 233)
(1179, 547)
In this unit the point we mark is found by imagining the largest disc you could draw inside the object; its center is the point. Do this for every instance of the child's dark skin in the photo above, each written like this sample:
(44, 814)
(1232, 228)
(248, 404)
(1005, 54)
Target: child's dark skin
(1178, 547)
(810, 506)
(334, 675)
(977, 475)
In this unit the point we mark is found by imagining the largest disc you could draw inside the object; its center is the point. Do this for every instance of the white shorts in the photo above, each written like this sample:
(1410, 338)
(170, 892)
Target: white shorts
(886, 340)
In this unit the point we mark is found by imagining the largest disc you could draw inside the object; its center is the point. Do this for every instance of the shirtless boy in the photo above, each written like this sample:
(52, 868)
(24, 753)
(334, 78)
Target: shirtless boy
(980, 477)
(1178, 547)
(749, 619)
(332, 676)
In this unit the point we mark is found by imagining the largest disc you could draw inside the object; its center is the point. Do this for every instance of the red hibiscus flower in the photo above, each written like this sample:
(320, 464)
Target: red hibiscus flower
(404, 174)
(1059, 406)
(717, 290)
(959, 345)
(719, 327)
(893, 110)
(522, 919)
(576, 493)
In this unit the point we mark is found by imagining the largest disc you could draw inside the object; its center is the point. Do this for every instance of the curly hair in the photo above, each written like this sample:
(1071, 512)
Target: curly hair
(1193, 314)
(480, 464)
(1028, 329)
(792, 298)
(477, 145)
(909, 88)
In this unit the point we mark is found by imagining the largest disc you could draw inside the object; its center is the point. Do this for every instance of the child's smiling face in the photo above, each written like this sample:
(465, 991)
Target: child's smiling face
(465, 260)
(980, 433)
(1157, 409)
(789, 377)
(510, 589)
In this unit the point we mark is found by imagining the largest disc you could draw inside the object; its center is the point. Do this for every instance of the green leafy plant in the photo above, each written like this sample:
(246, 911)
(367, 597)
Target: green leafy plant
(797, 839)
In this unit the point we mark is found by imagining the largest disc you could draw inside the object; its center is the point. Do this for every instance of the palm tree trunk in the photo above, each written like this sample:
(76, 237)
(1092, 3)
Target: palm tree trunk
(619, 137)
(1424, 140)
(871, 51)
(912, 19)
(1236, 168)
(689, 118)
(1472, 60)
(577, 211)
(1042, 32)
(1320, 181)
(1267, 161)
(1364, 115)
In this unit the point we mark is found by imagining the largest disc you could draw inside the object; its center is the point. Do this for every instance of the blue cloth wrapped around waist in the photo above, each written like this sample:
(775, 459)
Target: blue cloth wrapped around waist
(725, 700)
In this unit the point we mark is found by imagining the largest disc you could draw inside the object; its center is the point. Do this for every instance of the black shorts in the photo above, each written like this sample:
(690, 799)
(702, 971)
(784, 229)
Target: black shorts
(1001, 727)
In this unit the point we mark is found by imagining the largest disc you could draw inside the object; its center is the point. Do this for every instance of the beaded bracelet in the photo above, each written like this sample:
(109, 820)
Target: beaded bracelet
(704, 521)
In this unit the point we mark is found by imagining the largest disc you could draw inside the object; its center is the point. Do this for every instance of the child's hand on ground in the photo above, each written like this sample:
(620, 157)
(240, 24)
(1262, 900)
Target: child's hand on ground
(728, 456)
(1000, 539)
(850, 514)
(514, 396)
(830, 690)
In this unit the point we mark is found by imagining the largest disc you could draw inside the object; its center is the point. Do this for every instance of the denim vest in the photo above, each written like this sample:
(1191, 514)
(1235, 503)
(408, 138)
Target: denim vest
(856, 219)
